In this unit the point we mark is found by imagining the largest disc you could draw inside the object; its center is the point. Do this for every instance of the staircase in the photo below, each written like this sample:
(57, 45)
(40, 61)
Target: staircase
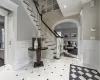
(32, 9)
(51, 44)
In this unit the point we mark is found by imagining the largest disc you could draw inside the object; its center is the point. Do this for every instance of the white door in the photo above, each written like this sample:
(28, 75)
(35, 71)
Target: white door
(10, 32)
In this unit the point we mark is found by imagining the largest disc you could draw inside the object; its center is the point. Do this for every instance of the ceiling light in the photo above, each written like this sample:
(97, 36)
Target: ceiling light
(65, 6)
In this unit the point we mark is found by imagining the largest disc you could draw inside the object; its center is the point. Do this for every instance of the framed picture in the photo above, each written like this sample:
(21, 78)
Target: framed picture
(73, 35)
(66, 35)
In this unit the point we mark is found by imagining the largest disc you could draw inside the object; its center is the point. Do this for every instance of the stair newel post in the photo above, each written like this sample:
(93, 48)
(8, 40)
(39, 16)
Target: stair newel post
(33, 40)
(62, 43)
(58, 47)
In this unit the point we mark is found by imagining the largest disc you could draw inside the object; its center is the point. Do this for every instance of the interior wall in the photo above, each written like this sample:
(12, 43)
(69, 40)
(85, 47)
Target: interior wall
(89, 20)
(25, 30)
(90, 45)
(53, 17)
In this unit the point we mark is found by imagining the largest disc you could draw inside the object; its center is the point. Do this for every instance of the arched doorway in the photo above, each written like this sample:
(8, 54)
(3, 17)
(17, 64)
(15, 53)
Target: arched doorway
(79, 56)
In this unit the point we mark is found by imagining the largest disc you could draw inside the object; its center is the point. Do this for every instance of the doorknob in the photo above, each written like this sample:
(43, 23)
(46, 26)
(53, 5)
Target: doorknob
(9, 42)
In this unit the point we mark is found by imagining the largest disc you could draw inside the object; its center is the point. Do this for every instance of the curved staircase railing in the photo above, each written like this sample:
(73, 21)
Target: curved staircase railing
(38, 15)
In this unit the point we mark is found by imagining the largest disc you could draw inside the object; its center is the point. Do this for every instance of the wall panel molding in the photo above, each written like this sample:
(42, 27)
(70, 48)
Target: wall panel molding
(90, 52)
(22, 57)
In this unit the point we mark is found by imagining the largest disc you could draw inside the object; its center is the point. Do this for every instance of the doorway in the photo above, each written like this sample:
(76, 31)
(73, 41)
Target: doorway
(6, 37)
(76, 42)
(2, 40)
(69, 32)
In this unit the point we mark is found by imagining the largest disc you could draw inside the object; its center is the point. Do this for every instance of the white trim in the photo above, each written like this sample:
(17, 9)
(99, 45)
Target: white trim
(4, 13)
(22, 58)
(21, 64)
(91, 53)
(7, 4)
(79, 37)
(65, 20)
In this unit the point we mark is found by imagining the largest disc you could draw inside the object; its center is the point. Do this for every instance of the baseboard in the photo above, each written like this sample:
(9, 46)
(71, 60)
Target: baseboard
(21, 64)
(91, 66)
(21, 57)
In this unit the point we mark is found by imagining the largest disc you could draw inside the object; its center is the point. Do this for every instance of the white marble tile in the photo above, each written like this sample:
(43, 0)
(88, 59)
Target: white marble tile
(52, 70)
(95, 72)
(80, 72)
(88, 74)
(82, 78)
(97, 77)
(86, 70)
(73, 75)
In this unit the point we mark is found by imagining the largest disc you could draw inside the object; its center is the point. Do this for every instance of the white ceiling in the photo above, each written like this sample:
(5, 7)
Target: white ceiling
(66, 25)
(73, 7)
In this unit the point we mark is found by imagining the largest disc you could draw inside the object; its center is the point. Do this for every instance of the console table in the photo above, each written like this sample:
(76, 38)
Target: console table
(39, 63)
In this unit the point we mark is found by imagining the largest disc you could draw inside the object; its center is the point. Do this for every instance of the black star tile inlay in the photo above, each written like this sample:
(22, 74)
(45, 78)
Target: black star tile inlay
(23, 79)
(60, 75)
(32, 72)
(25, 69)
(44, 69)
(38, 75)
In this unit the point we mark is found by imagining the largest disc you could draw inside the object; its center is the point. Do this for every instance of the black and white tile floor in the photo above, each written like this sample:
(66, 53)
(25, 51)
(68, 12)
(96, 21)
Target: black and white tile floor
(52, 70)
(83, 73)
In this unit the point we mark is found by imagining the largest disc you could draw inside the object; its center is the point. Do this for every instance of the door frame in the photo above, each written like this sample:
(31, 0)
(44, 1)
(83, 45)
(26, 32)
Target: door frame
(10, 6)
(8, 54)
(4, 14)
(79, 56)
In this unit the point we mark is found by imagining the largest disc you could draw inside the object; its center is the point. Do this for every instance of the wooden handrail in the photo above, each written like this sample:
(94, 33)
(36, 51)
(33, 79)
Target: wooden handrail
(55, 34)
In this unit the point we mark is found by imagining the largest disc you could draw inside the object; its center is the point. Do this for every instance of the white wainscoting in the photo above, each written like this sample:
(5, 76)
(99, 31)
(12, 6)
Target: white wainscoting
(90, 53)
(22, 54)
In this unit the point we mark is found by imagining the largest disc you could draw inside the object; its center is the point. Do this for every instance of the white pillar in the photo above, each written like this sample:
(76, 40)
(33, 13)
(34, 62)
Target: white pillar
(58, 47)
(62, 44)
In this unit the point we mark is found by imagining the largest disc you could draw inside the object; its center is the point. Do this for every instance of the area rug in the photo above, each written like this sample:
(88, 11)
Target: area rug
(83, 73)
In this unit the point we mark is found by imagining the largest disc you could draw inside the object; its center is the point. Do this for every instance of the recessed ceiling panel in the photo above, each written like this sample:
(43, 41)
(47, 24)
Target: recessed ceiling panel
(70, 7)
